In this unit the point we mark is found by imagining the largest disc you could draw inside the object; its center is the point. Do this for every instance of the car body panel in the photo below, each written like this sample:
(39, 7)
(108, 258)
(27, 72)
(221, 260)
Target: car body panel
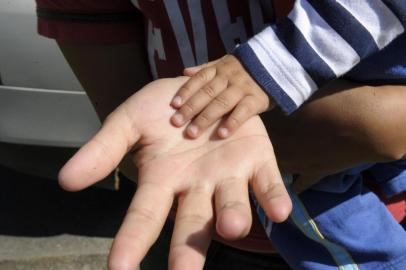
(44, 112)
(45, 117)
(26, 58)
(41, 101)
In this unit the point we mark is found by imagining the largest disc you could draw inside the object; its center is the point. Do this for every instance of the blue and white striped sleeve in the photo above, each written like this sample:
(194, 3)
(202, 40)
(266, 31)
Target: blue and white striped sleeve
(319, 41)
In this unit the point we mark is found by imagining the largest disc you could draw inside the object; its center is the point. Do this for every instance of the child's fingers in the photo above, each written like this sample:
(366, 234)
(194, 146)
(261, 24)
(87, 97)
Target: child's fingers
(218, 107)
(192, 86)
(244, 110)
(199, 101)
(190, 71)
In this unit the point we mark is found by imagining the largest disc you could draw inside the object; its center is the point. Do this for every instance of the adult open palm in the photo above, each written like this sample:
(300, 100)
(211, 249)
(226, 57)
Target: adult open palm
(207, 177)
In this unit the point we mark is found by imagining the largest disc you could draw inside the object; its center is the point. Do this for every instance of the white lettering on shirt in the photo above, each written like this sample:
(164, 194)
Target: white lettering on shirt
(155, 44)
(199, 31)
(231, 33)
(179, 28)
(231, 30)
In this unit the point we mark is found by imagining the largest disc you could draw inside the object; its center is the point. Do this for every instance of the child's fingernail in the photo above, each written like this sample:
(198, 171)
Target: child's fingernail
(193, 130)
(223, 132)
(177, 119)
(177, 101)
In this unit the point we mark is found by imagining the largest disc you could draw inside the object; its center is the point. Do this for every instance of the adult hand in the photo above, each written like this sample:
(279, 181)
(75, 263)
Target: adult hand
(198, 173)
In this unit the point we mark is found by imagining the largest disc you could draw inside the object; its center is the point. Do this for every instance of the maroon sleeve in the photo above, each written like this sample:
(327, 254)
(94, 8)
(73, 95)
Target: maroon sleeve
(105, 21)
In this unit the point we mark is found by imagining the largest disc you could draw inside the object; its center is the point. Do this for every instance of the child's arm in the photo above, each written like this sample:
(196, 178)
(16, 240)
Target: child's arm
(359, 124)
(318, 42)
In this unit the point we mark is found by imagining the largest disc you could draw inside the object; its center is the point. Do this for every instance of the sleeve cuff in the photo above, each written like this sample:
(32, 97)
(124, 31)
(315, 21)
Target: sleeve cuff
(265, 80)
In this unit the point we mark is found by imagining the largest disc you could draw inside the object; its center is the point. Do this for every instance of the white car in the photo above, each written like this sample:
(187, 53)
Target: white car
(44, 113)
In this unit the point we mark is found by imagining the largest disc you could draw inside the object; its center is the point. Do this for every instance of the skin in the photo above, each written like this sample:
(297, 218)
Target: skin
(215, 89)
(207, 175)
(106, 72)
(343, 125)
(354, 124)
(223, 89)
(198, 173)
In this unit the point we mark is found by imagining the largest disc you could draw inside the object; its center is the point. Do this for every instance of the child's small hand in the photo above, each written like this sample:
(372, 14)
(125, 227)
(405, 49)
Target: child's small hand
(215, 89)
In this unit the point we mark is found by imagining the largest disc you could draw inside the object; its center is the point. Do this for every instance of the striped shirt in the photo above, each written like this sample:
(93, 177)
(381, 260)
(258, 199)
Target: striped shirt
(317, 42)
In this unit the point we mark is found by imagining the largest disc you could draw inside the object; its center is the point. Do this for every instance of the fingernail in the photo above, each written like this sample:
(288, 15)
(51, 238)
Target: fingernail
(223, 132)
(193, 130)
(177, 101)
(177, 118)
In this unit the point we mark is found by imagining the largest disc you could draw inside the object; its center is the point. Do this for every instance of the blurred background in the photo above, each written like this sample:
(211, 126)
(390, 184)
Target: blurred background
(44, 117)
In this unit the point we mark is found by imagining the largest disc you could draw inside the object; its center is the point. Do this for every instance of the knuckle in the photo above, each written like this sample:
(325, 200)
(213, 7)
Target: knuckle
(233, 121)
(229, 182)
(227, 73)
(232, 72)
(269, 191)
(267, 188)
(222, 76)
(235, 73)
(143, 214)
(261, 96)
(203, 189)
(248, 108)
(188, 108)
(202, 75)
(178, 252)
(247, 86)
(209, 91)
(203, 118)
(233, 205)
(222, 101)
(184, 89)
(196, 219)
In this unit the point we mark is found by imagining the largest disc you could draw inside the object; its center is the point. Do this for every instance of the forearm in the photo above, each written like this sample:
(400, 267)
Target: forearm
(344, 126)
(109, 73)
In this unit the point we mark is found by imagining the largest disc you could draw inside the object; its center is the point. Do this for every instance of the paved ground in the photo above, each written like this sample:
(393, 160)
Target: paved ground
(55, 252)
(44, 227)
